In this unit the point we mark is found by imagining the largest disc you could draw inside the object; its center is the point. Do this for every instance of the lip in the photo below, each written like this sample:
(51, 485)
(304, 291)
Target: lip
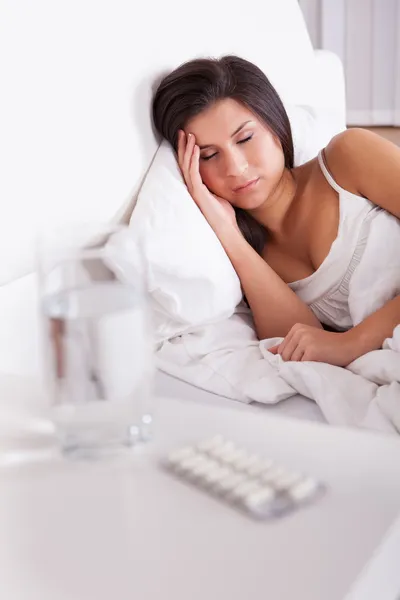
(247, 186)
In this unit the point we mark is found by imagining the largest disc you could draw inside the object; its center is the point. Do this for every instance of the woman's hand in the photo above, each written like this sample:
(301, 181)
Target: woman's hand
(218, 211)
(305, 342)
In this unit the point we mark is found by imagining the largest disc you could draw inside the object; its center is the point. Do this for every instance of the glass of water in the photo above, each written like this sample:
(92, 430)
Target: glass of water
(98, 339)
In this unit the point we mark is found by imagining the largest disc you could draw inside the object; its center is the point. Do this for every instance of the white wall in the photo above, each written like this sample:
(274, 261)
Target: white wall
(366, 36)
(312, 14)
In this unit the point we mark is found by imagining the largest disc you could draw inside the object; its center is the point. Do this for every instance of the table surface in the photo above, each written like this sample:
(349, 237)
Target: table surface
(123, 529)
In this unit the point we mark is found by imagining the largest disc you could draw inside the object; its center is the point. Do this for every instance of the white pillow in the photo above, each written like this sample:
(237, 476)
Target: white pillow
(191, 279)
(308, 131)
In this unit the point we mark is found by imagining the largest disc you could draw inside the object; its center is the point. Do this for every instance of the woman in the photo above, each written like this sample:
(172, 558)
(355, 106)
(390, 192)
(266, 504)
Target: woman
(295, 235)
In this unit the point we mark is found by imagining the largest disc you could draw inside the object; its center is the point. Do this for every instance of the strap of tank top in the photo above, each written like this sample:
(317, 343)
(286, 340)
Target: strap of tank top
(325, 171)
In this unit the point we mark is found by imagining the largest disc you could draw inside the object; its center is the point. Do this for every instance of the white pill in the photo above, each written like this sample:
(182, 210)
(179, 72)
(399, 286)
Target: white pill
(246, 462)
(204, 466)
(273, 474)
(188, 464)
(287, 480)
(224, 451)
(177, 455)
(259, 497)
(210, 443)
(228, 483)
(236, 455)
(304, 489)
(207, 476)
(243, 489)
(258, 467)
(217, 474)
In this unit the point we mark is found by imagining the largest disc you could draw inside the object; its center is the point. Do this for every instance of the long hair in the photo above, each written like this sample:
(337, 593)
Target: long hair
(199, 83)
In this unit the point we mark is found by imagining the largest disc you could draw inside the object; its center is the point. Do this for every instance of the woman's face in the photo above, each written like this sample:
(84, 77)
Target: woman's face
(241, 160)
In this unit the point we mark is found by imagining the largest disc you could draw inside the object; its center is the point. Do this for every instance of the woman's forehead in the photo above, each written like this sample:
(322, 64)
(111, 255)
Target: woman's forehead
(224, 115)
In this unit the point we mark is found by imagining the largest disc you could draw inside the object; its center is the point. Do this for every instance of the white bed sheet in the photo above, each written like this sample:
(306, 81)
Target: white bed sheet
(296, 406)
(227, 359)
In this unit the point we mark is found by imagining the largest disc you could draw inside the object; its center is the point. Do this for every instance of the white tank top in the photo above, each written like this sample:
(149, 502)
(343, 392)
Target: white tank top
(362, 270)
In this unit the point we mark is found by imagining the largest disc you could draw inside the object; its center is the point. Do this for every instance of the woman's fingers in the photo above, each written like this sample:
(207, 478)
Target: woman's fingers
(187, 157)
(288, 350)
(274, 349)
(181, 146)
(297, 354)
(188, 160)
(194, 169)
(288, 346)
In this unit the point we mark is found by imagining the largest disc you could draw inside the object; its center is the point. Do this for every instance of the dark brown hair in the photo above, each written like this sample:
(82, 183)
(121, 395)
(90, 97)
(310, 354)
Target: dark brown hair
(199, 83)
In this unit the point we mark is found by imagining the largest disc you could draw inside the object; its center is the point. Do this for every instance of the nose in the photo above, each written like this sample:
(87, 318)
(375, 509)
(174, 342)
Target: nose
(235, 163)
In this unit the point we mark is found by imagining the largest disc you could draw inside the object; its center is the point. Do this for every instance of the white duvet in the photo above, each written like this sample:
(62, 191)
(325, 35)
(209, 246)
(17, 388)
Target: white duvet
(226, 358)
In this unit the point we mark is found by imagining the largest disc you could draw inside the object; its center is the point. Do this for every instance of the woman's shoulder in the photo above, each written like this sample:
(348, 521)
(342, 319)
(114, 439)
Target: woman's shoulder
(346, 143)
(341, 156)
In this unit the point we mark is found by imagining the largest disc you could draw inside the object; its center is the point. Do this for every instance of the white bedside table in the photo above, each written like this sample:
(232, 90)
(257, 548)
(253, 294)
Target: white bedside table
(105, 530)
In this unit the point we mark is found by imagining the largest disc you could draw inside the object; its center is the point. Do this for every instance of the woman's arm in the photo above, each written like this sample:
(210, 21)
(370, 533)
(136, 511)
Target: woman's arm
(304, 343)
(368, 164)
(371, 333)
(275, 307)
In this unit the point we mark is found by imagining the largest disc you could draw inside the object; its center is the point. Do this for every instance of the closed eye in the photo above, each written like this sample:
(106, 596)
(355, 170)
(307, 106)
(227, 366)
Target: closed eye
(215, 153)
(208, 157)
(246, 139)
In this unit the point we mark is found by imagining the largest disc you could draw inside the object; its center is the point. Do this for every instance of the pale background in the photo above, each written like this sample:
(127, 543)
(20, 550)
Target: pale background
(366, 36)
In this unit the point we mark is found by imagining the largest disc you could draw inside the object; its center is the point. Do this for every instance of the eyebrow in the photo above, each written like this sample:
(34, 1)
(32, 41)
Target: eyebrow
(234, 133)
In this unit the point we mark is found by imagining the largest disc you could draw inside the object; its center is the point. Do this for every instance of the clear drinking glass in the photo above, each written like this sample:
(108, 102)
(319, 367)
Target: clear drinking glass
(97, 337)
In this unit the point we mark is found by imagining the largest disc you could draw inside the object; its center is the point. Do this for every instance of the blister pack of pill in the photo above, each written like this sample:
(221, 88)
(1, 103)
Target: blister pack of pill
(260, 486)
